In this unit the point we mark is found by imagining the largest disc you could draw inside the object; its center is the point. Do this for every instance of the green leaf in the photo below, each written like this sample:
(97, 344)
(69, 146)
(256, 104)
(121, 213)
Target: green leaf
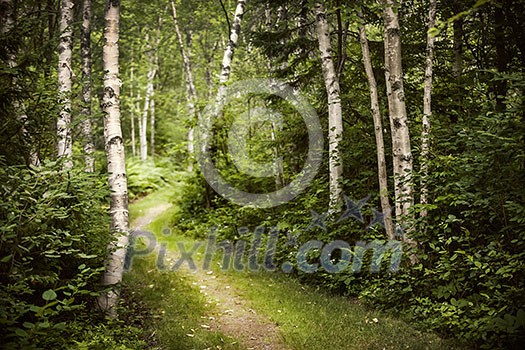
(21, 333)
(85, 256)
(49, 295)
(61, 326)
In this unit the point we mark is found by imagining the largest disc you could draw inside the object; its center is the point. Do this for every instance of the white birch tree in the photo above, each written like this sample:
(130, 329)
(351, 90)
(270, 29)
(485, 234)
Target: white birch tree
(191, 92)
(229, 51)
(427, 107)
(378, 131)
(86, 124)
(335, 117)
(143, 126)
(401, 149)
(65, 82)
(152, 124)
(115, 159)
(133, 105)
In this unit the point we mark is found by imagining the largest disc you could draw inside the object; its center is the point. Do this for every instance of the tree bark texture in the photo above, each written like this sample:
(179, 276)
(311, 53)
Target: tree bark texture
(191, 92)
(86, 123)
(143, 129)
(65, 81)
(230, 50)
(116, 160)
(401, 149)
(427, 108)
(378, 130)
(335, 117)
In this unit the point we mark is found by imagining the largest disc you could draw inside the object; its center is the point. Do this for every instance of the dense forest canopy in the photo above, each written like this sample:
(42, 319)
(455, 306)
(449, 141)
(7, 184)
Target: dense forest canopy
(369, 121)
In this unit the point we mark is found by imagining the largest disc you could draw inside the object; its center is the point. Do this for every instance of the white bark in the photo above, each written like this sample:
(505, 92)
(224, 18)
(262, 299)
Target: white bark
(65, 81)
(229, 51)
(115, 158)
(402, 153)
(427, 108)
(143, 129)
(132, 112)
(86, 126)
(335, 118)
(225, 71)
(191, 92)
(152, 124)
(378, 130)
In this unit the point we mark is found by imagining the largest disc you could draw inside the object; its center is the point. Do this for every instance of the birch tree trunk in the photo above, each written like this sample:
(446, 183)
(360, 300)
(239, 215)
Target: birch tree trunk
(427, 108)
(8, 15)
(132, 112)
(86, 126)
(335, 118)
(229, 51)
(156, 67)
(191, 92)
(115, 159)
(143, 130)
(65, 81)
(401, 150)
(152, 124)
(378, 130)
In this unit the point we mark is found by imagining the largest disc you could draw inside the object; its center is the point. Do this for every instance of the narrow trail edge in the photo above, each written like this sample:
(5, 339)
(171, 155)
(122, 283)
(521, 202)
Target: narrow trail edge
(231, 313)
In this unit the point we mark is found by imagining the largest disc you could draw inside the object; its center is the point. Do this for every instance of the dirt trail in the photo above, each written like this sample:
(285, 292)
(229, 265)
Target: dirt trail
(234, 317)
(231, 315)
(150, 215)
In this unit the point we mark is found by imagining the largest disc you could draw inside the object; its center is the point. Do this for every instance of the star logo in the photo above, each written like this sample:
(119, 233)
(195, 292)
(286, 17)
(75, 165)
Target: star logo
(378, 218)
(353, 209)
(318, 220)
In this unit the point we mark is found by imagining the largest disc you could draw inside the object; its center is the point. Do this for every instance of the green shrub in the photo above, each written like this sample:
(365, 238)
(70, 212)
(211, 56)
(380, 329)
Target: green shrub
(54, 236)
(147, 176)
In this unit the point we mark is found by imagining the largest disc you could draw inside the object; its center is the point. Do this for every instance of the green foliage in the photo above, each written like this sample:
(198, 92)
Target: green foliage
(54, 238)
(146, 177)
(469, 280)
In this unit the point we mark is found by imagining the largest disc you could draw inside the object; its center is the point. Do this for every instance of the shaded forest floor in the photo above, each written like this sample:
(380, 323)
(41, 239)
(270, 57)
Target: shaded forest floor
(215, 309)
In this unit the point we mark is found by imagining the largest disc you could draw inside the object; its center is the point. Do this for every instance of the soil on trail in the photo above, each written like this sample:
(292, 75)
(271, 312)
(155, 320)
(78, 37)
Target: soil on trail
(231, 314)
(150, 215)
(234, 317)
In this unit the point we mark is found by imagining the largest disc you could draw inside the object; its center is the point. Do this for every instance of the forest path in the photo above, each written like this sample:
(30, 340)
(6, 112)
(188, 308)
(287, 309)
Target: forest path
(234, 317)
(201, 309)
(231, 314)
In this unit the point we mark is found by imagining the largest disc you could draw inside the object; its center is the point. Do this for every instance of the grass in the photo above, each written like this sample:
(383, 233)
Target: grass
(178, 307)
(308, 318)
(140, 206)
(312, 319)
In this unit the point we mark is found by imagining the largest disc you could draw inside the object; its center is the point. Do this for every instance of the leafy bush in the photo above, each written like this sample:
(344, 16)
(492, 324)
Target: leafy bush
(54, 239)
(147, 176)
(469, 281)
